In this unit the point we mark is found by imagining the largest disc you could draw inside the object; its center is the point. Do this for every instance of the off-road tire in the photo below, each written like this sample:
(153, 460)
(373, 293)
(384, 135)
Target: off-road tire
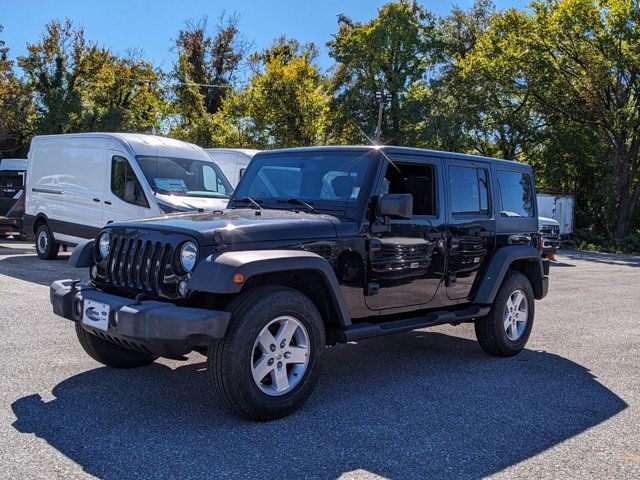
(490, 330)
(46, 250)
(229, 359)
(109, 353)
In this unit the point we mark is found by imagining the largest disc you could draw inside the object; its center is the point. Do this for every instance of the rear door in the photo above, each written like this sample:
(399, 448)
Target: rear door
(471, 224)
(11, 187)
(120, 201)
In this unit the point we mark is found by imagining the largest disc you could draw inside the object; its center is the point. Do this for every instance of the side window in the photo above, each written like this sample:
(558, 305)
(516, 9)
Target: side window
(125, 184)
(468, 188)
(516, 192)
(418, 180)
(210, 180)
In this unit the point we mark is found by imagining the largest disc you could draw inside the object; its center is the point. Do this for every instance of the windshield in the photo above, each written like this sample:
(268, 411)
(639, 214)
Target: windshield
(316, 178)
(185, 177)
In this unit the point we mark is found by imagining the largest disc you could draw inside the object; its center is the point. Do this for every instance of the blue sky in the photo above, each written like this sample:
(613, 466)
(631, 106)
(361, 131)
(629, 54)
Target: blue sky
(151, 26)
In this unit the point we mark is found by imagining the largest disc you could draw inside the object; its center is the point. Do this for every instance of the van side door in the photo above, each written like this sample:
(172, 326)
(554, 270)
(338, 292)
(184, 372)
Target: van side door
(124, 197)
(471, 224)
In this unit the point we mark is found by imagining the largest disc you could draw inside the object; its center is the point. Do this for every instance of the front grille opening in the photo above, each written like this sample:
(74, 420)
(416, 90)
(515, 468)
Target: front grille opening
(142, 265)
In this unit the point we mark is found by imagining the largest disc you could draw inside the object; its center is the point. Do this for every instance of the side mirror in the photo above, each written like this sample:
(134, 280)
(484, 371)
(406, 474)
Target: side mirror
(397, 205)
(130, 191)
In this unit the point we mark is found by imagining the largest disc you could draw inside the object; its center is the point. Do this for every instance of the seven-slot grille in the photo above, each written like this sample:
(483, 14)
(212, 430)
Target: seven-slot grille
(138, 263)
(405, 252)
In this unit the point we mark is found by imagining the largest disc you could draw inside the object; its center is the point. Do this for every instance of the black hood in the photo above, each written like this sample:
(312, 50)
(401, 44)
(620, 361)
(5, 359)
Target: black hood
(242, 225)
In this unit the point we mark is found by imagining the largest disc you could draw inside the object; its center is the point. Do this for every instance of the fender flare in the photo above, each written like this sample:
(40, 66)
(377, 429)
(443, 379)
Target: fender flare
(30, 221)
(81, 255)
(499, 265)
(215, 273)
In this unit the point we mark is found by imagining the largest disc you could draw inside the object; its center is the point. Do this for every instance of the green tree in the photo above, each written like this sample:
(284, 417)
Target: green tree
(125, 95)
(79, 86)
(441, 112)
(52, 68)
(582, 63)
(389, 53)
(285, 101)
(206, 72)
(16, 108)
(503, 118)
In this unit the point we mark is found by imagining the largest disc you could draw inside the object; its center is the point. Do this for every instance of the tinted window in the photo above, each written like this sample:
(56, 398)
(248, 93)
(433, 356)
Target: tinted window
(468, 190)
(516, 192)
(121, 175)
(324, 177)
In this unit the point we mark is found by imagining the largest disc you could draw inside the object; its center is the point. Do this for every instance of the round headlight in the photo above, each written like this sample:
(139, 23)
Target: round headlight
(103, 244)
(188, 256)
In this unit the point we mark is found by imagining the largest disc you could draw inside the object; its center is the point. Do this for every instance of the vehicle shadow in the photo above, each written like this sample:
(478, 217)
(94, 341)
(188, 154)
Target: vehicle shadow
(414, 405)
(597, 257)
(561, 264)
(31, 269)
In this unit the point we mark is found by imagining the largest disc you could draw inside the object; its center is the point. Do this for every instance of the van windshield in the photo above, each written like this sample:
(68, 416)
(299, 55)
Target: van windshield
(185, 177)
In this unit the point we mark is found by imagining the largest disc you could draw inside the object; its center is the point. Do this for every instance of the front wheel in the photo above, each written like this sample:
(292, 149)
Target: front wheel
(268, 363)
(46, 247)
(505, 330)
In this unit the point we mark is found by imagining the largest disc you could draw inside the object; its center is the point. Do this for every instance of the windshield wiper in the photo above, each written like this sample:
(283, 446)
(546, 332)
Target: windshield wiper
(297, 201)
(248, 200)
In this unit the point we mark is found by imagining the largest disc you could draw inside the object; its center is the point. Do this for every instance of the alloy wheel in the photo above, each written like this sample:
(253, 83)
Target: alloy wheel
(280, 355)
(515, 315)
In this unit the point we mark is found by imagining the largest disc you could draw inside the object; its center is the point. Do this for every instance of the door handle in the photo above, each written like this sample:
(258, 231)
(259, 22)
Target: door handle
(435, 235)
(485, 233)
(107, 202)
(96, 199)
(454, 242)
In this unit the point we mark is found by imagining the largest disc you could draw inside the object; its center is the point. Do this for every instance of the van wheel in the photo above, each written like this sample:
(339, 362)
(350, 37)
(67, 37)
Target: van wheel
(46, 247)
(269, 362)
(505, 330)
(110, 354)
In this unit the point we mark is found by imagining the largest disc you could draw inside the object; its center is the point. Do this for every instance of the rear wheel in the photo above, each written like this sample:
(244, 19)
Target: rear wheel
(268, 363)
(505, 330)
(46, 247)
(110, 354)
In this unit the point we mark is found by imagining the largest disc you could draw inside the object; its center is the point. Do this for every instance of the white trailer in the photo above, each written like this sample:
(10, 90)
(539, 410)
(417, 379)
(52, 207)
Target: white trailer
(558, 207)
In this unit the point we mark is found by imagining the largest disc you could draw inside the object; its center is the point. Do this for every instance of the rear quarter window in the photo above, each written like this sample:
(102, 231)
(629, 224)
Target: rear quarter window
(516, 194)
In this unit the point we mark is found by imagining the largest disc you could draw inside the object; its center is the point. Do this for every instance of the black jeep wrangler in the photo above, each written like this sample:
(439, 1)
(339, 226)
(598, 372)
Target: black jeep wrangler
(317, 246)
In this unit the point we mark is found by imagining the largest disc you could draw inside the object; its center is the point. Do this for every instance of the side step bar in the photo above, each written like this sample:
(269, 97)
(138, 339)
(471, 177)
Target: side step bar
(358, 331)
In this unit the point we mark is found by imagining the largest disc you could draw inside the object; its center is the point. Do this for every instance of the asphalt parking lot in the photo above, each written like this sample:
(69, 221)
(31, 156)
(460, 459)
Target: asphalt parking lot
(426, 404)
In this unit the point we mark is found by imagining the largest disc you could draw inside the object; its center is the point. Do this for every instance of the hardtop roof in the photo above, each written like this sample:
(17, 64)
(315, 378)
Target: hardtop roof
(391, 149)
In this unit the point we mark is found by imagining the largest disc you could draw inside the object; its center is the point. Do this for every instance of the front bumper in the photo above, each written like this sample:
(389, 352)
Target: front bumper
(550, 244)
(152, 327)
(10, 225)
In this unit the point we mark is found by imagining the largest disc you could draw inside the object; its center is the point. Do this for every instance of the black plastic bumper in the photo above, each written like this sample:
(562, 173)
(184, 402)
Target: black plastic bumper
(550, 245)
(153, 327)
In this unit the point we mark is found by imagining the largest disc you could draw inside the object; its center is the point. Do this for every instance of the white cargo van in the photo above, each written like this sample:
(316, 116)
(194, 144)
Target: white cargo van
(80, 182)
(232, 161)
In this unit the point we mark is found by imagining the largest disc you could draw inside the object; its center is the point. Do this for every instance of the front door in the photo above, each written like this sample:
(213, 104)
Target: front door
(407, 257)
(471, 224)
(122, 202)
